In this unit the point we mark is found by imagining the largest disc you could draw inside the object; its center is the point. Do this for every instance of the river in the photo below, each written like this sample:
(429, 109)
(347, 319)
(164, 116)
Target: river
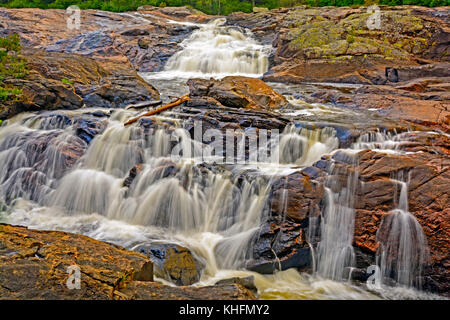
(211, 212)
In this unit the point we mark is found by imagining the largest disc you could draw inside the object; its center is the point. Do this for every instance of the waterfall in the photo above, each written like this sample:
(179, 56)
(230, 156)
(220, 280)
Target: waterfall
(403, 250)
(304, 146)
(386, 142)
(215, 50)
(184, 199)
(334, 251)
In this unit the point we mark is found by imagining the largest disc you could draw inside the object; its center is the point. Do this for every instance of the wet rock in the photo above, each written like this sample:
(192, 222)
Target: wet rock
(138, 290)
(238, 92)
(428, 189)
(280, 244)
(356, 274)
(173, 262)
(90, 85)
(164, 170)
(87, 129)
(297, 197)
(34, 265)
(132, 174)
(246, 282)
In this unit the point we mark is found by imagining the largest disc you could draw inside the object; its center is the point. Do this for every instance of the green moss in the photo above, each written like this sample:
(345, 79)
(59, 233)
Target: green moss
(350, 38)
(66, 81)
(401, 35)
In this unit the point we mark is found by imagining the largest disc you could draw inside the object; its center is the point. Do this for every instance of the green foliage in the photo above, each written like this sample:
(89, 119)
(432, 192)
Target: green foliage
(11, 66)
(223, 7)
(66, 81)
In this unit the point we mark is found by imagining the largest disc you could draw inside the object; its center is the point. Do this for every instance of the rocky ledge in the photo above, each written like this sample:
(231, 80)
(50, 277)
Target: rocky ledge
(71, 81)
(36, 265)
(403, 63)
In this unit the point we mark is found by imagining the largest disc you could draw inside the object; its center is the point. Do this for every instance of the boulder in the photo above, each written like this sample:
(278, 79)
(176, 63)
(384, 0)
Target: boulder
(279, 244)
(34, 265)
(172, 262)
(68, 81)
(238, 92)
(42, 265)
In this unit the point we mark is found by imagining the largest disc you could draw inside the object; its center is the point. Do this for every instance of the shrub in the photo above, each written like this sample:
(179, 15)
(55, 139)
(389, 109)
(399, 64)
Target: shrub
(12, 65)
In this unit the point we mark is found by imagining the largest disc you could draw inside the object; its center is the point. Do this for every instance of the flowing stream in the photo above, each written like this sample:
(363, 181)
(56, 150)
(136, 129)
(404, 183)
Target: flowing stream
(190, 200)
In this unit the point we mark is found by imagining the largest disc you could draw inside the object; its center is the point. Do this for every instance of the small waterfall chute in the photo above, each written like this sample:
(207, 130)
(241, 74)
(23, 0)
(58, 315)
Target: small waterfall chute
(215, 50)
(334, 252)
(403, 250)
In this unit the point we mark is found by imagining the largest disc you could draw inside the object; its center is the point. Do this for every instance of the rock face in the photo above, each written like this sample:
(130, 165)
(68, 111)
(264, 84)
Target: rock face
(238, 92)
(34, 265)
(394, 62)
(428, 189)
(70, 81)
(332, 44)
(142, 40)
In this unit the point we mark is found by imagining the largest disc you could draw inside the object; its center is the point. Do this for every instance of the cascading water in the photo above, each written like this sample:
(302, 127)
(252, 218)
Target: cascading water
(215, 50)
(334, 252)
(303, 146)
(403, 251)
(54, 174)
(213, 212)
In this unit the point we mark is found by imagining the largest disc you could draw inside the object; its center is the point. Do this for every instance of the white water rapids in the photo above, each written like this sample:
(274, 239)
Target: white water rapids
(214, 213)
(216, 51)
